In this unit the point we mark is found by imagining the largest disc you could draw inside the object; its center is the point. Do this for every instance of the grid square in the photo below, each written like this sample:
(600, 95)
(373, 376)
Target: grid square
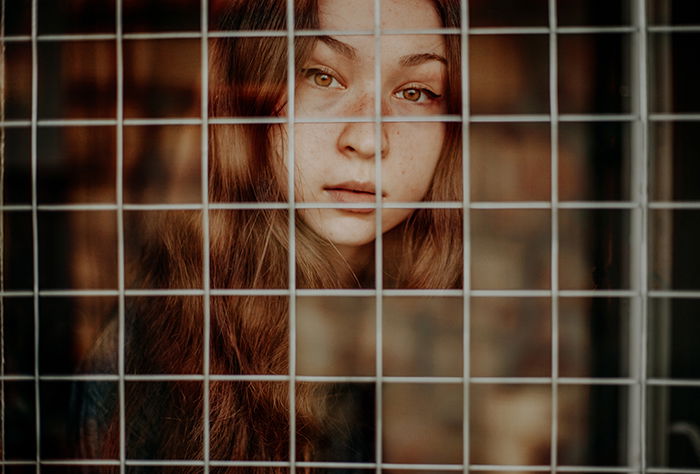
(141, 16)
(505, 13)
(595, 337)
(18, 258)
(18, 327)
(594, 251)
(76, 16)
(18, 17)
(20, 469)
(595, 161)
(508, 74)
(335, 336)
(409, 258)
(674, 163)
(422, 336)
(521, 324)
(161, 164)
(238, 91)
(166, 317)
(671, 230)
(586, 435)
(163, 260)
(674, 72)
(510, 424)
(593, 13)
(67, 168)
(20, 416)
(510, 249)
(422, 423)
(162, 419)
(162, 78)
(61, 435)
(347, 432)
(510, 161)
(231, 158)
(18, 174)
(673, 416)
(673, 353)
(253, 327)
(77, 80)
(77, 249)
(238, 234)
(672, 12)
(18, 80)
(220, 19)
(605, 88)
(257, 442)
(76, 336)
(330, 269)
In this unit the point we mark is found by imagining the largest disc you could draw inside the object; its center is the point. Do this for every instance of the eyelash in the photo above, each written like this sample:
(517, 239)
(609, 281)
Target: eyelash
(427, 95)
(311, 72)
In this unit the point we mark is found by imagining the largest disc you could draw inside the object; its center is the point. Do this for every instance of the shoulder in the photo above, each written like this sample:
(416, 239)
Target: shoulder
(94, 400)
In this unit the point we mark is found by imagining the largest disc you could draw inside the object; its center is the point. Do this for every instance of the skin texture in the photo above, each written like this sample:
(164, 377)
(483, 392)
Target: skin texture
(335, 162)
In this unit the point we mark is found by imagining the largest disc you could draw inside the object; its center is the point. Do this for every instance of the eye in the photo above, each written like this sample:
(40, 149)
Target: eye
(322, 78)
(417, 95)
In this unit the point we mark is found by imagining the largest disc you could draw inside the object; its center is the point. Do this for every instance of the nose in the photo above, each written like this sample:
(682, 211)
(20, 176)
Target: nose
(358, 139)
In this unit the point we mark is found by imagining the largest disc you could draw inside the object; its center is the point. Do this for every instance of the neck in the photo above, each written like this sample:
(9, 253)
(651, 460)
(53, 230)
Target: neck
(357, 257)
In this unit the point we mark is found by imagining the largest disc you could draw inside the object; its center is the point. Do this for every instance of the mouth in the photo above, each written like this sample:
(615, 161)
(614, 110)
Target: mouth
(353, 192)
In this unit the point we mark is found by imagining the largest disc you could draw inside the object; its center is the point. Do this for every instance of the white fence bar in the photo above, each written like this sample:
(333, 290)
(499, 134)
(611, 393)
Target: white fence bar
(121, 277)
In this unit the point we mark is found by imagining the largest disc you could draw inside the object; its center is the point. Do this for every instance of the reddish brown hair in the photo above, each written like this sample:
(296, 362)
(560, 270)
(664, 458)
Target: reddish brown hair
(249, 249)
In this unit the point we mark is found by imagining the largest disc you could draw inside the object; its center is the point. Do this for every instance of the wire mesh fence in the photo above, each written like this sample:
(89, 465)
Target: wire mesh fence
(552, 328)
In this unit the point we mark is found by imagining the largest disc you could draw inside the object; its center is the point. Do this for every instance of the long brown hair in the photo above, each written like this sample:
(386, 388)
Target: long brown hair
(249, 249)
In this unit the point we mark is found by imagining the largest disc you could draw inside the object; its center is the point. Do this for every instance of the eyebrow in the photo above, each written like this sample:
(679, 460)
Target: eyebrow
(339, 47)
(409, 60)
(418, 59)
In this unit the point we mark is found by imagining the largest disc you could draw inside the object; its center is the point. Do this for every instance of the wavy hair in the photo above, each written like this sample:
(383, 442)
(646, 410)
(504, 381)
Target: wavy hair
(249, 249)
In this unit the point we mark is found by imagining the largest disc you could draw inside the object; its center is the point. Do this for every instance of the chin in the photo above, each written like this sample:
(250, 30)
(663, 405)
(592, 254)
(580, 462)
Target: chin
(351, 241)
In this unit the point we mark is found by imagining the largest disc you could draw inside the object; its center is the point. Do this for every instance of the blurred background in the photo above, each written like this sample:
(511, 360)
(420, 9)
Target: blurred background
(600, 162)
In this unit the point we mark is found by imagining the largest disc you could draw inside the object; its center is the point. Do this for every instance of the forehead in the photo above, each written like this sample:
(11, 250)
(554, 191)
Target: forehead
(395, 14)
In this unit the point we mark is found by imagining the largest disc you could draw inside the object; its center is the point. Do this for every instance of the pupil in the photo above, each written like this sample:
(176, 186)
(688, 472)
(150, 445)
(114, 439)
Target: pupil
(323, 79)
(411, 94)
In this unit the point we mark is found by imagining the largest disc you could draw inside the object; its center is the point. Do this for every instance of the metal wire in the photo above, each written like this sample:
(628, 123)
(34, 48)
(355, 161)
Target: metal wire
(475, 118)
(291, 170)
(640, 204)
(466, 231)
(378, 242)
(590, 205)
(543, 30)
(554, 224)
(121, 330)
(35, 230)
(204, 158)
(643, 196)
(2, 235)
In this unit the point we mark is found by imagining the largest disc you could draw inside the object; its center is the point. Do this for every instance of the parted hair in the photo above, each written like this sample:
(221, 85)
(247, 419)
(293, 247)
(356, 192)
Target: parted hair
(249, 335)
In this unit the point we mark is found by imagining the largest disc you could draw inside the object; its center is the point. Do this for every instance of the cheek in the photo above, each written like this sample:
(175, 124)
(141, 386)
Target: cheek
(393, 217)
(313, 148)
(417, 150)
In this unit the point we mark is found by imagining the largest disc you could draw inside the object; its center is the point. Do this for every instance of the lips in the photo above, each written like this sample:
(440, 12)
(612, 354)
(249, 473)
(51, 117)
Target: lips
(353, 192)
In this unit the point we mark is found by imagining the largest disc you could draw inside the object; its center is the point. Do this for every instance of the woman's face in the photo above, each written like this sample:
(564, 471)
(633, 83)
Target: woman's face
(335, 162)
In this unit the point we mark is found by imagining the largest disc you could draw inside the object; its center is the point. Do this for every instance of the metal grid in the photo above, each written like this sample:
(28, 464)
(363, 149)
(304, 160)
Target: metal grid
(639, 206)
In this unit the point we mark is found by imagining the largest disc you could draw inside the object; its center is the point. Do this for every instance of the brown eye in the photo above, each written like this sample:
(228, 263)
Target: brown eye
(411, 94)
(322, 79)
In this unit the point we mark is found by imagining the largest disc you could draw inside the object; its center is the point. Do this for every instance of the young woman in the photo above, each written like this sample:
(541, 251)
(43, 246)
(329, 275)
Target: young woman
(334, 163)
